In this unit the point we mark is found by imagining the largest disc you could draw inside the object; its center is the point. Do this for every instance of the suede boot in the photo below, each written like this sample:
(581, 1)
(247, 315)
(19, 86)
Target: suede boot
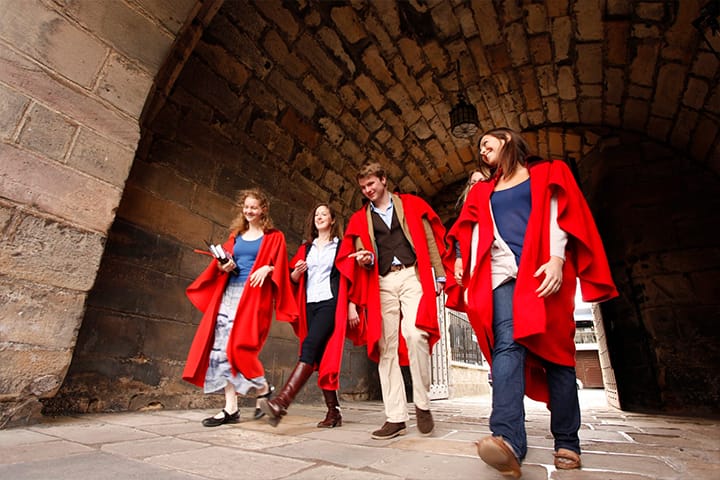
(333, 417)
(276, 408)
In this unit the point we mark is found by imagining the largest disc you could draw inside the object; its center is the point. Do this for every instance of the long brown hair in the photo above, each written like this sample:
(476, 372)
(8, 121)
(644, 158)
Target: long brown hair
(239, 224)
(463, 195)
(311, 232)
(513, 153)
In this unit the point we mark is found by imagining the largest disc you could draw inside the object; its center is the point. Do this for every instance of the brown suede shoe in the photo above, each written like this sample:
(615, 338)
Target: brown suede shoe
(498, 454)
(389, 430)
(425, 422)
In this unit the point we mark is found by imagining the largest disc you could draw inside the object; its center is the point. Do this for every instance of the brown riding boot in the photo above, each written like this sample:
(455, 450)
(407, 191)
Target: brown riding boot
(276, 408)
(333, 417)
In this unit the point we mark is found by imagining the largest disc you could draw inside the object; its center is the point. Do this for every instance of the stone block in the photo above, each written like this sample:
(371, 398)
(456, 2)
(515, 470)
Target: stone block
(530, 89)
(446, 23)
(668, 89)
(164, 182)
(705, 135)
(436, 55)
(292, 94)
(46, 251)
(37, 372)
(273, 138)
(412, 54)
(300, 129)
(324, 66)
(46, 132)
(590, 63)
(246, 17)
(375, 64)
(636, 114)
(12, 104)
(129, 32)
(517, 42)
(39, 315)
(614, 85)
(695, 93)
(591, 111)
(56, 189)
(616, 37)
(348, 23)
(41, 33)
(205, 84)
(328, 100)
(566, 83)
(705, 65)
(124, 85)
(351, 124)
(37, 83)
(562, 35)
(281, 16)
(371, 91)
(223, 63)
(642, 68)
(540, 49)
(569, 111)
(588, 15)
(101, 158)
(487, 22)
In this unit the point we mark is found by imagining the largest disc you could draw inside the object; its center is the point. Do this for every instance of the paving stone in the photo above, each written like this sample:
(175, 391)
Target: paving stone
(35, 452)
(94, 433)
(140, 449)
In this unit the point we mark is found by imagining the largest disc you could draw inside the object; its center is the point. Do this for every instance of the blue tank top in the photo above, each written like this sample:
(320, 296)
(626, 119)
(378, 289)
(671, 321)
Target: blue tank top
(511, 210)
(244, 253)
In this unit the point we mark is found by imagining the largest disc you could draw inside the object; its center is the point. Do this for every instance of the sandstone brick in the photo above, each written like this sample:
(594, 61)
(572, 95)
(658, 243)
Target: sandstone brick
(616, 38)
(467, 21)
(246, 17)
(536, 117)
(278, 50)
(13, 105)
(436, 55)
(557, 8)
(684, 126)
(348, 24)
(695, 93)
(376, 29)
(591, 111)
(39, 371)
(412, 53)
(124, 85)
(389, 16)
(353, 125)
(530, 89)
(44, 35)
(705, 65)
(620, 7)
(614, 85)
(334, 134)
(408, 81)
(371, 121)
(477, 51)
(445, 20)
(147, 44)
(399, 96)
(394, 122)
(566, 83)
(590, 63)
(555, 141)
(705, 135)
(643, 31)
(536, 18)
(280, 16)
(329, 101)
(569, 111)
(432, 93)
(39, 315)
(377, 67)
(323, 65)
(101, 158)
(273, 138)
(562, 35)
(498, 58)
(713, 103)
(668, 89)
(394, 147)
(635, 114)
(170, 15)
(259, 95)
(371, 91)
(46, 132)
(638, 91)
(642, 69)
(540, 49)
(52, 253)
(547, 82)
(351, 150)
(333, 42)
(588, 15)
(293, 95)
(612, 115)
(516, 40)
(552, 109)
(421, 129)
(207, 85)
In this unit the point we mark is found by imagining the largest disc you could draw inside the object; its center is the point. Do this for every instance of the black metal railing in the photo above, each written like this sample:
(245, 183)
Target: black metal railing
(463, 342)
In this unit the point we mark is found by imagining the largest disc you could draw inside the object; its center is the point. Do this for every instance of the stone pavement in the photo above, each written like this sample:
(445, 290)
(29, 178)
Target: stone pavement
(173, 445)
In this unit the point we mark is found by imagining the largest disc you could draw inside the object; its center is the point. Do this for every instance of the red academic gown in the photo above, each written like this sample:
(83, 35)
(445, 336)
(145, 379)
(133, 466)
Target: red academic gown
(546, 326)
(329, 368)
(254, 312)
(364, 282)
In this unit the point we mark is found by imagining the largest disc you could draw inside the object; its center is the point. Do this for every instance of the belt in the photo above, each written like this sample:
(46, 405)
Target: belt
(397, 268)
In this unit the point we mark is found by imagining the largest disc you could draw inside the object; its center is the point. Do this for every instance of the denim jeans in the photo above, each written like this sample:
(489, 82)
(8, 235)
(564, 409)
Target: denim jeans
(507, 419)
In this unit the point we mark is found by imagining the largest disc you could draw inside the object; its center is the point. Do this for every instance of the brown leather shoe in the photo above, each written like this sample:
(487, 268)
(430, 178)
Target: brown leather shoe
(425, 422)
(389, 430)
(498, 454)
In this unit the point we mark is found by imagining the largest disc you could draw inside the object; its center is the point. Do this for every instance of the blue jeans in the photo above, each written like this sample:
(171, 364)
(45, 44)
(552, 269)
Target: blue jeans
(507, 419)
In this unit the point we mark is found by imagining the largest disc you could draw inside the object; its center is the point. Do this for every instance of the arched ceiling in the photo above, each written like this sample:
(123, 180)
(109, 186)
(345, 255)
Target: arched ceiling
(377, 80)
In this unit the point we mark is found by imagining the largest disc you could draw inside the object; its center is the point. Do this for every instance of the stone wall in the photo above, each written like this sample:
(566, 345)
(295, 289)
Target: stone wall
(72, 87)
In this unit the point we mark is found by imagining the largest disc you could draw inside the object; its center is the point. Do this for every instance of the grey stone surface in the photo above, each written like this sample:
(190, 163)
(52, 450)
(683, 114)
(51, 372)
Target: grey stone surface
(167, 444)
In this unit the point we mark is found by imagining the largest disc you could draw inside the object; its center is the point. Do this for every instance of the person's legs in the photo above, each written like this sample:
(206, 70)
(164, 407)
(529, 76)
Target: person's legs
(320, 325)
(507, 419)
(416, 339)
(391, 379)
(564, 406)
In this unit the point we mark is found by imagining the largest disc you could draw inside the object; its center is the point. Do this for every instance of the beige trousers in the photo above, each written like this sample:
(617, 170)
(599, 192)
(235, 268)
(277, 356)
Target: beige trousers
(400, 294)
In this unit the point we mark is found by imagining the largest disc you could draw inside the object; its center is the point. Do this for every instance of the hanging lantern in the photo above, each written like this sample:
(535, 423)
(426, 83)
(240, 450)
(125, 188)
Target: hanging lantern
(463, 119)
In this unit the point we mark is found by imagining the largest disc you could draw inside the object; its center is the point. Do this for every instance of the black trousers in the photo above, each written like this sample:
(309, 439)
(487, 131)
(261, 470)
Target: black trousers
(321, 324)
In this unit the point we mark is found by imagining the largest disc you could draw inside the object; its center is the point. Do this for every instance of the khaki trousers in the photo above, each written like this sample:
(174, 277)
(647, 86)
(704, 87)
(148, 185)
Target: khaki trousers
(400, 294)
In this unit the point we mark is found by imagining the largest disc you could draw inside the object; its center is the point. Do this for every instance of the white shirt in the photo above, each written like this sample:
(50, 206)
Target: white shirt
(320, 262)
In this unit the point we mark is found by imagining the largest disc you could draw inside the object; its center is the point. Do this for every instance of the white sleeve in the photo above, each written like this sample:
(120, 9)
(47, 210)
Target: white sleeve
(558, 237)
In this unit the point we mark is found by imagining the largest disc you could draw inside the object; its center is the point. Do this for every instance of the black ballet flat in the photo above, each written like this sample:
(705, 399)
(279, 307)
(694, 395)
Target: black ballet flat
(227, 418)
(258, 412)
